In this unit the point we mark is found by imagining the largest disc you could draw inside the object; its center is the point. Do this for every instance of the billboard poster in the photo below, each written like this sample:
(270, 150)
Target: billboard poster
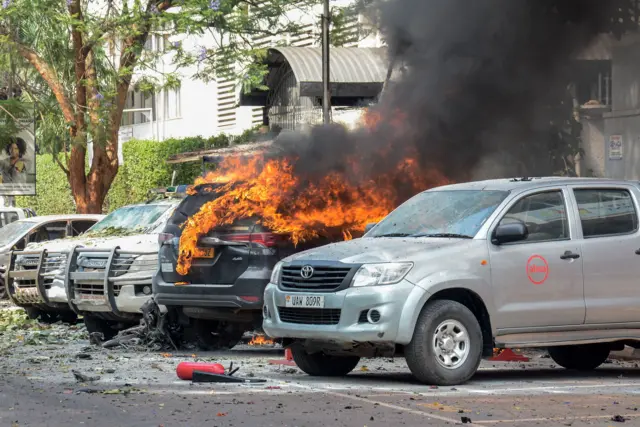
(17, 149)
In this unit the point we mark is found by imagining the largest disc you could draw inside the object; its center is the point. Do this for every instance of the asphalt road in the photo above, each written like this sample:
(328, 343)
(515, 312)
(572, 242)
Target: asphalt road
(378, 393)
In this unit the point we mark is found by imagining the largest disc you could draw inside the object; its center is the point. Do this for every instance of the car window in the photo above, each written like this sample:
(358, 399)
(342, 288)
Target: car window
(79, 227)
(606, 212)
(50, 231)
(130, 220)
(14, 231)
(544, 214)
(441, 212)
(7, 218)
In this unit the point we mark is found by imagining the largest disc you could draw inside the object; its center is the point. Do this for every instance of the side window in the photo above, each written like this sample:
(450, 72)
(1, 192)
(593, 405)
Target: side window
(51, 231)
(79, 227)
(7, 218)
(606, 212)
(544, 214)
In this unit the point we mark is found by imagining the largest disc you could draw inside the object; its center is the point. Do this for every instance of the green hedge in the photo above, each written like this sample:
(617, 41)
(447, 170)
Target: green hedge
(144, 168)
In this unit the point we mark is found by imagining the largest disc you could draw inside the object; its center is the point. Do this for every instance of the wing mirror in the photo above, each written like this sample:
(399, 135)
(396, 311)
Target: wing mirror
(369, 227)
(509, 233)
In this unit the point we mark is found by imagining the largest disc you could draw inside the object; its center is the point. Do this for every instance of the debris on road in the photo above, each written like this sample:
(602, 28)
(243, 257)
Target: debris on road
(185, 370)
(618, 419)
(82, 378)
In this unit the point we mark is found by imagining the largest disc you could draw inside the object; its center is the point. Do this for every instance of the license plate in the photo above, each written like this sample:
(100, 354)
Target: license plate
(91, 297)
(167, 267)
(204, 253)
(305, 301)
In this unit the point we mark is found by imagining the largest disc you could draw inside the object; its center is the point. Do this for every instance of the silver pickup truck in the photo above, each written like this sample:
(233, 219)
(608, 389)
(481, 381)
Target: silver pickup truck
(461, 269)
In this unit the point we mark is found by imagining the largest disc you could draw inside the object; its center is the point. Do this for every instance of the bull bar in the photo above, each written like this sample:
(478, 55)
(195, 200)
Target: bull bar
(27, 287)
(96, 290)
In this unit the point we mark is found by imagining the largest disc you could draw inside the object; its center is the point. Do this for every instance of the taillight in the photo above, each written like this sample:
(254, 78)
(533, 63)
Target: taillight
(265, 239)
(165, 237)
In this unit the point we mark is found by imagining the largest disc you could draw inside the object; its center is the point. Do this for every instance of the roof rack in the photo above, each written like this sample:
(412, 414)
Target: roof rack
(521, 179)
(176, 191)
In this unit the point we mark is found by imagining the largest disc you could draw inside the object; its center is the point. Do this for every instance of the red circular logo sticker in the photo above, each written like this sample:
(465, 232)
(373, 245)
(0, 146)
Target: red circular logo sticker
(537, 269)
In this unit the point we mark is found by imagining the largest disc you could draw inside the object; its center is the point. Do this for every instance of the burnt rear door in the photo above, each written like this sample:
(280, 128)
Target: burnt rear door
(228, 256)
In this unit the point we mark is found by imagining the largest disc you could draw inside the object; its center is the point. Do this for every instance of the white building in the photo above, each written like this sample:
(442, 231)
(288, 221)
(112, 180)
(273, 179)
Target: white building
(206, 109)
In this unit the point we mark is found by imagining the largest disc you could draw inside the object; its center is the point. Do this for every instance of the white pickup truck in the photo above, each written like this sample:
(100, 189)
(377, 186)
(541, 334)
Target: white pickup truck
(107, 271)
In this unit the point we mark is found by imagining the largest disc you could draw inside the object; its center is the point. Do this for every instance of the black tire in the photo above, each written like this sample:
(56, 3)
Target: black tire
(51, 317)
(99, 325)
(585, 357)
(421, 357)
(322, 365)
(214, 335)
(3, 288)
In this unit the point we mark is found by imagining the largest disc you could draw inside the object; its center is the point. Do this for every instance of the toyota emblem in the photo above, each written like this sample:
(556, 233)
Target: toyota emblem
(306, 272)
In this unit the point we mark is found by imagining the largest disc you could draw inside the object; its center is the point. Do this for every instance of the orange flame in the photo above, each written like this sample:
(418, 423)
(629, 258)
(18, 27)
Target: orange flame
(268, 190)
(260, 340)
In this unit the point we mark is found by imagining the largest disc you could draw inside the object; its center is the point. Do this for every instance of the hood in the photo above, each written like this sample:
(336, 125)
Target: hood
(381, 249)
(141, 242)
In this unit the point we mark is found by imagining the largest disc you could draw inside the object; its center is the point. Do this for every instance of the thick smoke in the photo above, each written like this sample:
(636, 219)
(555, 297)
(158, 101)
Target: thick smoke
(473, 89)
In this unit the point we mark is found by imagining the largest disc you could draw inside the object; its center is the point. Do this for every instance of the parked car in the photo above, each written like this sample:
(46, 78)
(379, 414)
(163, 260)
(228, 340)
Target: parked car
(9, 215)
(461, 269)
(221, 297)
(37, 230)
(108, 270)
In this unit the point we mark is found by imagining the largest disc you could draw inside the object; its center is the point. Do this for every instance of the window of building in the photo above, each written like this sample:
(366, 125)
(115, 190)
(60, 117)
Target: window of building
(544, 214)
(172, 104)
(606, 212)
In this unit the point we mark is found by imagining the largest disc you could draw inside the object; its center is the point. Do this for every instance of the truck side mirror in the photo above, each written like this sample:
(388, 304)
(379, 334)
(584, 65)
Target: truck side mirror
(509, 233)
(369, 227)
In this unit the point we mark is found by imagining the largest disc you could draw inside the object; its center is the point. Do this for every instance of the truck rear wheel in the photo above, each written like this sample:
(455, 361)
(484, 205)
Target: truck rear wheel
(580, 357)
(215, 335)
(3, 288)
(96, 324)
(322, 365)
(446, 348)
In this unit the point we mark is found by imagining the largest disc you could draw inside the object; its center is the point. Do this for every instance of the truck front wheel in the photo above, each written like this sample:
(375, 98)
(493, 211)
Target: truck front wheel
(322, 365)
(446, 347)
(580, 357)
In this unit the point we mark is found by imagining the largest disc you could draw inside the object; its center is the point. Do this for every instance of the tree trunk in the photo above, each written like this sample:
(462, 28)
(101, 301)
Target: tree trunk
(90, 190)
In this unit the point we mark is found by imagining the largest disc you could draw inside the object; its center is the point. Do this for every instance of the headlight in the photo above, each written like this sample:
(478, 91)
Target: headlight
(143, 263)
(277, 272)
(381, 274)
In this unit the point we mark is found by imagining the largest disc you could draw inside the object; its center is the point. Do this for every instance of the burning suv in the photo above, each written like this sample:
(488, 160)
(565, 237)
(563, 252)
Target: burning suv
(221, 296)
(108, 270)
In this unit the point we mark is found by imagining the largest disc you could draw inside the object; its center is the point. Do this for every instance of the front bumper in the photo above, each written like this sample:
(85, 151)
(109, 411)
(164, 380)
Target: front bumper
(389, 301)
(112, 282)
(36, 279)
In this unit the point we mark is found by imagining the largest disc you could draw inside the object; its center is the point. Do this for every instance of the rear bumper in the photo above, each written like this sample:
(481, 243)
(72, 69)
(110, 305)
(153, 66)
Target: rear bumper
(245, 294)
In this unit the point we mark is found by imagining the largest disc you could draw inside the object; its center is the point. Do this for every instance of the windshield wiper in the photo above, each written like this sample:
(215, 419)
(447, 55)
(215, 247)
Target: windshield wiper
(393, 235)
(449, 235)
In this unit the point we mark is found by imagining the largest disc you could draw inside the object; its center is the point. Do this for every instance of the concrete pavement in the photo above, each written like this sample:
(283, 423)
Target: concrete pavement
(142, 390)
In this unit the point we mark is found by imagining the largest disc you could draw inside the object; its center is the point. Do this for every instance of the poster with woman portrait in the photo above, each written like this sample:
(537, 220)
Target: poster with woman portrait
(17, 151)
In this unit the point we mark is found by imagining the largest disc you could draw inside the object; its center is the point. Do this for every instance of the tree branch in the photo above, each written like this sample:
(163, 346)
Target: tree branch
(48, 74)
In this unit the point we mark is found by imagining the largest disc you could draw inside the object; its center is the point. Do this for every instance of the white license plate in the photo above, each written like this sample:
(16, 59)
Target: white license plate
(91, 297)
(167, 267)
(306, 301)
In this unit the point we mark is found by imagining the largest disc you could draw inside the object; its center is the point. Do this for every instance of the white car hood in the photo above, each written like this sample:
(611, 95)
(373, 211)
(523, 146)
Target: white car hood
(138, 242)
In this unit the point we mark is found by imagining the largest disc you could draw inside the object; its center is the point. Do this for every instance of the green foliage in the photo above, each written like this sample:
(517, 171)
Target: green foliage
(145, 166)
(53, 191)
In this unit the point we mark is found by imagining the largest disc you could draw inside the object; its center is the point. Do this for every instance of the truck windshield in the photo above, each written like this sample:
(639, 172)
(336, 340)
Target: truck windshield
(11, 232)
(129, 220)
(455, 213)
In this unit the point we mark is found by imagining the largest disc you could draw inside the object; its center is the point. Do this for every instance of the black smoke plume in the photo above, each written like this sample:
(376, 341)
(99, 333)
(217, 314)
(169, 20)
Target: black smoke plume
(473, 81)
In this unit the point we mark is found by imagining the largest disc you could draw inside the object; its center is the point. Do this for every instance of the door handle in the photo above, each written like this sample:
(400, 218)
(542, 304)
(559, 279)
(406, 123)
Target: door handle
(570, 255)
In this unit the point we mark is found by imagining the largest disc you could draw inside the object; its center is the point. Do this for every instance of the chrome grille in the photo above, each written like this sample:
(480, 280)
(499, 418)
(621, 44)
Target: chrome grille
(324, 279)
(310, 316)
